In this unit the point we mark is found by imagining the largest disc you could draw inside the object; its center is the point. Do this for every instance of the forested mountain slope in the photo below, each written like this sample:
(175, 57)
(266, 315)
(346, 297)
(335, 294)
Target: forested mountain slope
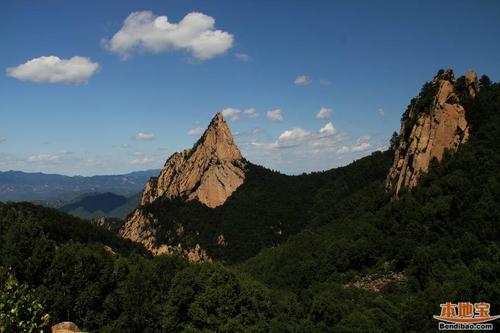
(267, 208)
(444, 236)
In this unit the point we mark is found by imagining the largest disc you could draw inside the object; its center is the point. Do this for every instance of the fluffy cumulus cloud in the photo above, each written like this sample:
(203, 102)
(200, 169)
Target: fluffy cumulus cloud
(52, 69)
(235, 114)
(144, 136)
(231, 113)
(302, 80)
(343, 150)
(251, 112)
(287, 139)
(293, 137)
(195, 33)
(360, 145)
(324, 113)
(197, 131)
(275, 115)
(328, 130)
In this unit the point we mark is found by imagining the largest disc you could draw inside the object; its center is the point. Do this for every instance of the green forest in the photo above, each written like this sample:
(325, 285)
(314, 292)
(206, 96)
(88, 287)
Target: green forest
(297, 248)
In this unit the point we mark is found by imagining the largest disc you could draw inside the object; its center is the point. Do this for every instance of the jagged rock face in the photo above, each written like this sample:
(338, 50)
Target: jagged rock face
(209, 172)
(111, 224)
(433, 123)
(140, 228)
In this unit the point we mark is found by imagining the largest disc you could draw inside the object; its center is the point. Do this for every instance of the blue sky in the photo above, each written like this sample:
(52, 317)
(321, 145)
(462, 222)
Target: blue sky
(127, 103)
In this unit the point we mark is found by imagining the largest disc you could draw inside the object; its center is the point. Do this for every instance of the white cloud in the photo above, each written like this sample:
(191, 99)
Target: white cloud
(42, 158)
(231, 113)
(242, 56)
(362, 139)
(275, 115)
(251, 112)
(360, 147)
(343, 150)
(234, 113)
(361, 144)
(381, 112)
(324, 82)
(196, 131)
(289, 138)
(328, 141)
(195, 33)
(52, 69)
(293, 137)
(324, 113)
(143, 136)
(302, 80)
(141, 161)
(250, 132)
(328, 130)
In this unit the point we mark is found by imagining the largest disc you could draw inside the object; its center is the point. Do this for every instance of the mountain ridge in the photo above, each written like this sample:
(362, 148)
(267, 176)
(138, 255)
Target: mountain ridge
(56, 190)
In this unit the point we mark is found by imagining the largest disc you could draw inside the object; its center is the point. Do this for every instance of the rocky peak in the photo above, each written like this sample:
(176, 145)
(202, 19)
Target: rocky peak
(209, 172)
(434, 121)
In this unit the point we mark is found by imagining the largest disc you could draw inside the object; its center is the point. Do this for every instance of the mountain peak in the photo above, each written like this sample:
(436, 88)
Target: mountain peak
(209, 172)
(218, 118)
(434, 122)
(217, 141)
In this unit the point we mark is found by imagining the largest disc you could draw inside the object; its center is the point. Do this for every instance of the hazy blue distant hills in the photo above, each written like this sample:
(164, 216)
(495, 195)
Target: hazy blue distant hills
(102, 204)
(53, 189)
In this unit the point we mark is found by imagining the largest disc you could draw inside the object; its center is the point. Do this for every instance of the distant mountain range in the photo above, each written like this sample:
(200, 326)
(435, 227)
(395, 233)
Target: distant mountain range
(107, 204)
(57, 190)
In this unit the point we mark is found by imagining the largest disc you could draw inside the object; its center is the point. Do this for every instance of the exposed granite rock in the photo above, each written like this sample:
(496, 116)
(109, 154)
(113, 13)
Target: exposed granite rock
(141, 228)
(221, 241)
(65, 327)
(434, 122)
(375, 283)
(196, 254)
(209, 172)
(108, 223)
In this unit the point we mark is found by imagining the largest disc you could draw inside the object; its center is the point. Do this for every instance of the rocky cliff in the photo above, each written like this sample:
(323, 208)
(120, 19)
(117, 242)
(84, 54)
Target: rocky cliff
(434, 121)
(209, 172)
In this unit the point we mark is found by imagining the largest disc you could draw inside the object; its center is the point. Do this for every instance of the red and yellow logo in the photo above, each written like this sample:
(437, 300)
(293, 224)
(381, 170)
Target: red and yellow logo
(465, 312)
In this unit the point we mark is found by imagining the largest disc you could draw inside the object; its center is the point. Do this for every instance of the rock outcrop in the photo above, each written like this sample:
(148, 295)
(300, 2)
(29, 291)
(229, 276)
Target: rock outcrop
(109, 223)
(209, 172)
(434, 121)
(141, 228)
(65, 327)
